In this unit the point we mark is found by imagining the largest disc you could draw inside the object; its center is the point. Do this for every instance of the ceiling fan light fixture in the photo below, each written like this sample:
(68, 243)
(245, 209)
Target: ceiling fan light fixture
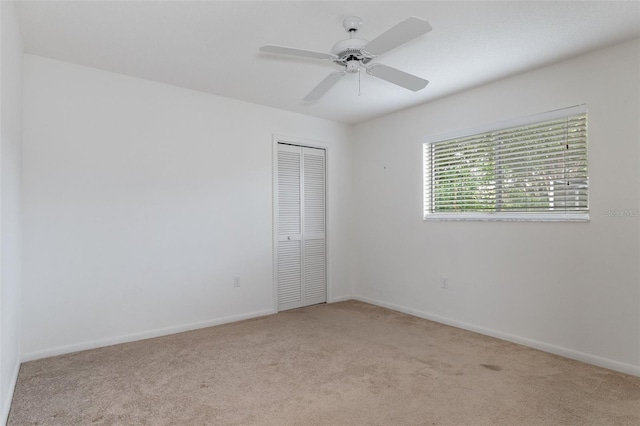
(353, 66)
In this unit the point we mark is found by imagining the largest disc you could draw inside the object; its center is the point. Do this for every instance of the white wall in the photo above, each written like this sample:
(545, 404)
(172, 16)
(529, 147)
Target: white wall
(10, 141)
(142, 201)
(570, 288)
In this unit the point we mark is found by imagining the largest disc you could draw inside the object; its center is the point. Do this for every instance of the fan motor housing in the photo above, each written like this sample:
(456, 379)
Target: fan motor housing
(349, 50)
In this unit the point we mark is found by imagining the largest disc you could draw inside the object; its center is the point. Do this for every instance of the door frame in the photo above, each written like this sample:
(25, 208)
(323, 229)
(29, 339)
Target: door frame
(308, 143)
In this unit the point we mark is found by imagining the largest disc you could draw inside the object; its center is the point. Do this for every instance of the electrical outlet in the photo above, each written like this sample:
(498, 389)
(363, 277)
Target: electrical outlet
(444, 282)
(236, 281)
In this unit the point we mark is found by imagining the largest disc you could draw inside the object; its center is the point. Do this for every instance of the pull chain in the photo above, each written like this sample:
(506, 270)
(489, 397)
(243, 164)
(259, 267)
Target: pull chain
(359, 70)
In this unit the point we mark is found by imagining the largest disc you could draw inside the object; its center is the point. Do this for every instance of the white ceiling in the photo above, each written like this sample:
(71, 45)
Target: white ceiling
(213, 46)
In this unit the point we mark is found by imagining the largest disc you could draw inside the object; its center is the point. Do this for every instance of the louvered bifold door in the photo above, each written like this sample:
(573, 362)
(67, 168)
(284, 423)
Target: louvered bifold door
(313, 220)
(301, 257)
(289, 254)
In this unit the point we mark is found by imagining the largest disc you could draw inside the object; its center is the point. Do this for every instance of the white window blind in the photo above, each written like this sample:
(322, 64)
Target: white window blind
(534, 169)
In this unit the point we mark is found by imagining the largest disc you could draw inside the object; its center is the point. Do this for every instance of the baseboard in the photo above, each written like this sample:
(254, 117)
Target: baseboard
(536, 344)
(341, 299)
(6, 404)
(60, 350)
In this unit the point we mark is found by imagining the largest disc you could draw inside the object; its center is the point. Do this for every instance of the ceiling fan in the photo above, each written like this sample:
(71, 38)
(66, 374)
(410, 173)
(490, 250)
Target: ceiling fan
(356, 54)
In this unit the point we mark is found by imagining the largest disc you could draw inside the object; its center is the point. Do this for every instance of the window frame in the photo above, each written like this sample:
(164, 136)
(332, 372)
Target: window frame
(505, 216)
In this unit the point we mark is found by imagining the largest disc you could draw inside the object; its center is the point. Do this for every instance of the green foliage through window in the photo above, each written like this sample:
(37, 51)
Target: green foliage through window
(536, 168)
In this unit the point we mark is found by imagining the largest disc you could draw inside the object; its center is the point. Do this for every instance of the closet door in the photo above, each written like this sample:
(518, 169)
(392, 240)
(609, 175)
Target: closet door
(313, 226)
(301, 205)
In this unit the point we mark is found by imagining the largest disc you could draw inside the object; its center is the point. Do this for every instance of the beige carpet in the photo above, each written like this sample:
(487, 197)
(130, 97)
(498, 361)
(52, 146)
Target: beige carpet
(347, 363)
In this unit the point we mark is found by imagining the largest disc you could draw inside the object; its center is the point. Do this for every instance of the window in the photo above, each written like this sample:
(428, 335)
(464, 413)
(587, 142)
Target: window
(529, 169)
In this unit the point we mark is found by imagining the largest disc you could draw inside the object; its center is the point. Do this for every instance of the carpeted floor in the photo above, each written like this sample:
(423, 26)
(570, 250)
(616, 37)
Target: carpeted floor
(346, 363)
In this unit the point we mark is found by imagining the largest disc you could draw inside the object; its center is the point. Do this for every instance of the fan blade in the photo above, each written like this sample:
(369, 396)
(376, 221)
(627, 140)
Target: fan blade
(400, 34)
(395, 76)
(281, 50)
(324, 85)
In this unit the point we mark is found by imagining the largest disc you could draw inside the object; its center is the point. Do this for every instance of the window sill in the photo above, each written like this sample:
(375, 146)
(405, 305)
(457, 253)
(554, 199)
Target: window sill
(508, 217)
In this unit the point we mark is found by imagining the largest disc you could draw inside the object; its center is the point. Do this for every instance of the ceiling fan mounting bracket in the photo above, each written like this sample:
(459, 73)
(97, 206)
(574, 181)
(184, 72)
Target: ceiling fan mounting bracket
(352, 24)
